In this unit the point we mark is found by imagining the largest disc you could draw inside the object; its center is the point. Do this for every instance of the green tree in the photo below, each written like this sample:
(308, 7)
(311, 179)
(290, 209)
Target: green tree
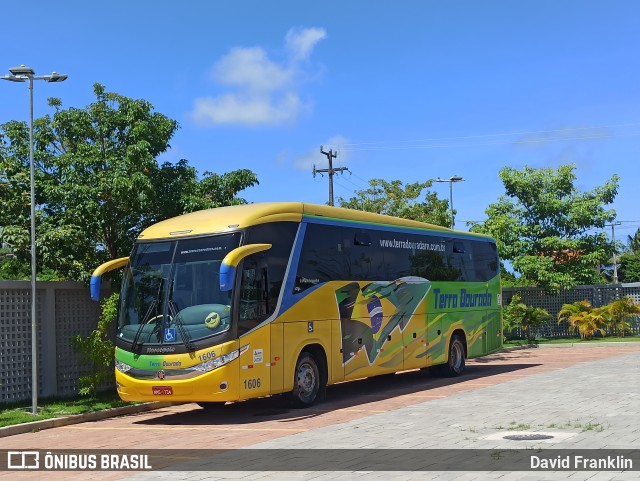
(528, 318)
(545, 226)
(629, 270)
(178, 190)
(98, 182)
(513, 313)
(398, 200)
(633, 243)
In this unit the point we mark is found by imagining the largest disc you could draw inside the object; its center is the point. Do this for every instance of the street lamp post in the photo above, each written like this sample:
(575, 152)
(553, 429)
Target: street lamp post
(24, 74)
(451, 180)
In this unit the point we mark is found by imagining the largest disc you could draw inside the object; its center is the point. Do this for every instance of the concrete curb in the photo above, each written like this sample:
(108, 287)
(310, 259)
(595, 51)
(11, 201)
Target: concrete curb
(81, 418)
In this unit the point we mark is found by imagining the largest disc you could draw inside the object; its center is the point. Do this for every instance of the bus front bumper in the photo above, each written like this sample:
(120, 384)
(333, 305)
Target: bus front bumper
(219, 385)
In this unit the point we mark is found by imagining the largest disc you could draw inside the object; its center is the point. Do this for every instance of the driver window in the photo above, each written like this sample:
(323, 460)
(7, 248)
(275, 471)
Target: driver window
(254, 294)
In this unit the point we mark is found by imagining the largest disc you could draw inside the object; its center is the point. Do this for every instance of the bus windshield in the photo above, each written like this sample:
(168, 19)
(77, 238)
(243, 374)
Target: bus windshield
(171, 292)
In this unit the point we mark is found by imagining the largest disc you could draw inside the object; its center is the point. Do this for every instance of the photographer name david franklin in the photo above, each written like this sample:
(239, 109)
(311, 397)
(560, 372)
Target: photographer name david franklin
(577, 462)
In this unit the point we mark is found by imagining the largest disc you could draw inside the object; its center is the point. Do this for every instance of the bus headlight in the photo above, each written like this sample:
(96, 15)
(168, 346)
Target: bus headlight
(122, 367)
(217, 362)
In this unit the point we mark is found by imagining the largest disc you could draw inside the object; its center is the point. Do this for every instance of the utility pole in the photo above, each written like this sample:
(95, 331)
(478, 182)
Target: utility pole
(330, 156)
(615, 257)
(455, 178)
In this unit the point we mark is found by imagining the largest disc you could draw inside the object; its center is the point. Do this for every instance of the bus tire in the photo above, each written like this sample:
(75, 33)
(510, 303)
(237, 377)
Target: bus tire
(307, 382)
(455, 361)
(211, 405)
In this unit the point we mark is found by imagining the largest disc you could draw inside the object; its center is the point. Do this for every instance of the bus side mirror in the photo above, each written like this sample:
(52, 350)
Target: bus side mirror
(231, 261)
(96, 277)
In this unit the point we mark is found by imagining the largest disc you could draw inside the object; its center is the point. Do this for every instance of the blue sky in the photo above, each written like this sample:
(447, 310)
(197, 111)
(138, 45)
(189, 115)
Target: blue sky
(409, 90)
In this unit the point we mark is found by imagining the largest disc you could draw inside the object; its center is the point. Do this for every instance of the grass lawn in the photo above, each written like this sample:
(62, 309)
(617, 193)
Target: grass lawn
(572, 340)
(55, 408)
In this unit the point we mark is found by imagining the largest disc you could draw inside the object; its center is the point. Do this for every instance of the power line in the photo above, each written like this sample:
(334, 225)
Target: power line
(597, 132)
(367, 183)
(345, 188)
(502, 134)
(353, 183)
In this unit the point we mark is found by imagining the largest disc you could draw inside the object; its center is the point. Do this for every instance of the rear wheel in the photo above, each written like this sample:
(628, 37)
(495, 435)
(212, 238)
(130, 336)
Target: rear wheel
(307, 381)
(455, 364)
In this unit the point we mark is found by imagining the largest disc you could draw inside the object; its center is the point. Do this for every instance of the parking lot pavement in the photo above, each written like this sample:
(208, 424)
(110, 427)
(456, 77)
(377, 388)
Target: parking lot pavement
(578, 398)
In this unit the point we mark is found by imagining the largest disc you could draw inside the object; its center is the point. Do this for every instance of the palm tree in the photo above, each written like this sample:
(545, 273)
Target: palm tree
(533, 318)
(633, 242)
(582, 317)
(593, 322)
(618, 312)
(527, 318)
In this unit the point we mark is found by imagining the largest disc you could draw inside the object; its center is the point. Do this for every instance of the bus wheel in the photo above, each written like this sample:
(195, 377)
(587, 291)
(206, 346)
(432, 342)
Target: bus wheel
(307, 382)
(455, 365)
(210, 405)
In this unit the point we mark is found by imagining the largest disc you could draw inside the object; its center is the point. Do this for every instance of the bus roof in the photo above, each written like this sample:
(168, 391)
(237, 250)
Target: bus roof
(224, 219)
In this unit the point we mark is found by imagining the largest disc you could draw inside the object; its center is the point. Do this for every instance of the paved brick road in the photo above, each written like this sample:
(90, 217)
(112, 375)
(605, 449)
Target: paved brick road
(586, 397)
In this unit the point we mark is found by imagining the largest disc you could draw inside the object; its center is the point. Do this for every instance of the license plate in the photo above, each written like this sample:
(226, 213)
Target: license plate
(162, 390)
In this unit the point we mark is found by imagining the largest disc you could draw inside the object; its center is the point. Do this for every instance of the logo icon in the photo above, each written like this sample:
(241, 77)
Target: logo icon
(23, 460)
(160, 375)
(170, 334)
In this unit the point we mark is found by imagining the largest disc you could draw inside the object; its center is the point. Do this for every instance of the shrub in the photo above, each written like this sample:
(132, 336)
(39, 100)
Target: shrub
(97, 349)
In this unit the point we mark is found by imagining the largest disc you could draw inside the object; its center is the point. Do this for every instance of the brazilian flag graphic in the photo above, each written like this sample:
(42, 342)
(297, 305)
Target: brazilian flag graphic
(369, 312)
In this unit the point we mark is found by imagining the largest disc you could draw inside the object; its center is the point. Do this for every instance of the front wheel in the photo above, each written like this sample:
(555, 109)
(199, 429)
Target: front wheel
(307, 382)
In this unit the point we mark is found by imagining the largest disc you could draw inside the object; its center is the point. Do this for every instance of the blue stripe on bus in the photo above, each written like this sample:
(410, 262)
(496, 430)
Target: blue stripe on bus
(289, 298)
(398, 229)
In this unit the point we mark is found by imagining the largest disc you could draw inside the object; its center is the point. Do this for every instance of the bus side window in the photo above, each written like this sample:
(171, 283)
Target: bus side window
(366, 262)
(323, 257)
(486, 260)
(462, 260)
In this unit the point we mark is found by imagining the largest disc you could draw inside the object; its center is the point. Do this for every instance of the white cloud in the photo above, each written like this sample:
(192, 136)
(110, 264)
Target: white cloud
(300, 42)
(262, 91)
(250, 69)
(252, 110)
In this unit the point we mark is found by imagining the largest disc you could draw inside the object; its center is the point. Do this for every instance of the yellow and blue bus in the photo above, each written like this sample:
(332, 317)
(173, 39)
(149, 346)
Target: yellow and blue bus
(286, 297)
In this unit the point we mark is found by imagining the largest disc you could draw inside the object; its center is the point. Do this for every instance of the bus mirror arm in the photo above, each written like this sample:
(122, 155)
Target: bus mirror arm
(96, 277)
(231, 261)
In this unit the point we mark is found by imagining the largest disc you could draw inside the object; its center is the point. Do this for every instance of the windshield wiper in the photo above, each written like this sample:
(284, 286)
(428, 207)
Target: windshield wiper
(147, 316)
(177, 318)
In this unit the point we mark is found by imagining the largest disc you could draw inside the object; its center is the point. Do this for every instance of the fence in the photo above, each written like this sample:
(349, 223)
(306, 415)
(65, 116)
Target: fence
(64, 309)
(597, 295)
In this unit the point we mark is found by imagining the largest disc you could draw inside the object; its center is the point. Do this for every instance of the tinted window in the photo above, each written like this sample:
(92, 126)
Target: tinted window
(323, 257)
(485, 256)
(366, 262)
(345, 253)
(416, 255)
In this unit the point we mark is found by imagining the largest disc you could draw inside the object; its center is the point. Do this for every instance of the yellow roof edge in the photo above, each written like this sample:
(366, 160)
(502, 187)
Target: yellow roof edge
(224, 219)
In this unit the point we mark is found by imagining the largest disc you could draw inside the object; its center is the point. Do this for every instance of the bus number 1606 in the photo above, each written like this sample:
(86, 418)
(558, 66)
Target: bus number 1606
(251, 383)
